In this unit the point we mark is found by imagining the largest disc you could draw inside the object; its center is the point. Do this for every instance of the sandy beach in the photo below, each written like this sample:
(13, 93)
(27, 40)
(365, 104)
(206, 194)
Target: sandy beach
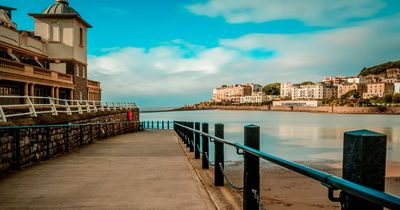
(283, 189)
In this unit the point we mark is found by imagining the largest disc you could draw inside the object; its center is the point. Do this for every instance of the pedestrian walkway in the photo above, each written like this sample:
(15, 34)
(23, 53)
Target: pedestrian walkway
(142, 170)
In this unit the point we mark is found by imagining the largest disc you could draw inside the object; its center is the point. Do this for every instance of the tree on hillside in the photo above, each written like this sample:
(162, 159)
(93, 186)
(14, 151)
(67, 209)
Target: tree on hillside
(307, 83)
(272, 89)
(396, 98)
(352, 94)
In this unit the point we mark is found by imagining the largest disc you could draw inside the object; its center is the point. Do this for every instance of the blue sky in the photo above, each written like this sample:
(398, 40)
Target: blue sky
(163, 53)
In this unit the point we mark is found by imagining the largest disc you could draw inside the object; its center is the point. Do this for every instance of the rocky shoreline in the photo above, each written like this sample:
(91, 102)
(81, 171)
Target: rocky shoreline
(319, 109)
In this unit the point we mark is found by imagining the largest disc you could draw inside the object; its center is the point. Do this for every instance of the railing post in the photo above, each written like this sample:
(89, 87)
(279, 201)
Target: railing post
(158, 127)
(191, 136)
(162, 124)
(364, 161)
(204, 140)
(219, 155)
(197, 141)
(251, 177)
(186, 135)
(152, 124)
(168, 124)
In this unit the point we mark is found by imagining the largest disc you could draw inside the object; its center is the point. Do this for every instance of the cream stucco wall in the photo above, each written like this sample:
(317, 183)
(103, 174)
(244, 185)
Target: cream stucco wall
(63, 38)
(59, 67)
(22, 40)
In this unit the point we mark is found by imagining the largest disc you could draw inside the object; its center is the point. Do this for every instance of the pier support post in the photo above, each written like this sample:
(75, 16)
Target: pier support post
(364, 162)
(251, 177)
(204, 142)
(191, 135)
(197, 141)
(219, 156)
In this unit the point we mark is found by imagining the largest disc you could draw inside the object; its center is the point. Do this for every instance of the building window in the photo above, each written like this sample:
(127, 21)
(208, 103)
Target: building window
(77, 70)
(81, 37)
(83, 72)
(56, 33)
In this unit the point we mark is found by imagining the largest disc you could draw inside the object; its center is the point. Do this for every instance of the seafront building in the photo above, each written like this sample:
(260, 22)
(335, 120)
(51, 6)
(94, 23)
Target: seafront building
(346, 87)
(231, 93)
(50, 61)
(378, 90)
(311, 103)
(397, 87)
(317, 91)
(286, 89)
(259, 97)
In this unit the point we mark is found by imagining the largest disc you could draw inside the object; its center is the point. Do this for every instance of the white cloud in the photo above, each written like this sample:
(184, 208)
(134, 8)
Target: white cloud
(178, 67)
(314, 12)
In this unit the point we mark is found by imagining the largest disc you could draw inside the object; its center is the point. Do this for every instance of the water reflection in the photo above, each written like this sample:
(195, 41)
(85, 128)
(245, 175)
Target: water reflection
(294, 136)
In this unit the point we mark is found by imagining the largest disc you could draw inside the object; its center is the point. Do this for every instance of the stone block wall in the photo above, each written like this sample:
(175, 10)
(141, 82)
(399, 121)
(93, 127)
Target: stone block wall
(20, 147)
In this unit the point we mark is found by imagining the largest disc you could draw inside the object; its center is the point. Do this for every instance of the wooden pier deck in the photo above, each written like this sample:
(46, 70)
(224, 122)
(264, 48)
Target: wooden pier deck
(143, 170)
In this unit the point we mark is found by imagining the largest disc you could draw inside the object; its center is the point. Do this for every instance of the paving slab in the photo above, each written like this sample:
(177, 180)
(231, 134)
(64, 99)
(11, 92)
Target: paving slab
(143, 170)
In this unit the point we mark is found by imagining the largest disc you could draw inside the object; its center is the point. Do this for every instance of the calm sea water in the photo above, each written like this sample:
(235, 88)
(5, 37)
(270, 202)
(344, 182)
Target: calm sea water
(293, 135)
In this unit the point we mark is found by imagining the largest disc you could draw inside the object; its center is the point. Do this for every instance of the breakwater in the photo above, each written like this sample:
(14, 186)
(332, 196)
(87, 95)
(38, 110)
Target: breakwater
(319, 109)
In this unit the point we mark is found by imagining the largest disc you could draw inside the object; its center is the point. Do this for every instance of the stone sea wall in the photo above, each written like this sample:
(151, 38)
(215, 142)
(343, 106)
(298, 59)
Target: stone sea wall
(320, 109)
(20, 147)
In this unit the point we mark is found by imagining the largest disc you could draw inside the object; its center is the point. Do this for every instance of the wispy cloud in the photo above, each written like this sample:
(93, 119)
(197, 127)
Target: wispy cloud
(187, 70)
(312, 12)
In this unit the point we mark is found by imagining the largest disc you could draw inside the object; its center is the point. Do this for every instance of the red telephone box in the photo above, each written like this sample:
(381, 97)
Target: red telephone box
(130, 115)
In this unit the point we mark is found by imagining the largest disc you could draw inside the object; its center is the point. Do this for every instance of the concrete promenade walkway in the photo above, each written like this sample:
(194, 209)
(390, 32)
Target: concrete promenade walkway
(143, 170)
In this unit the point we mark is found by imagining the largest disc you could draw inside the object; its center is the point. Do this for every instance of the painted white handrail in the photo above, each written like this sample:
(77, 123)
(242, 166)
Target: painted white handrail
(46, 105)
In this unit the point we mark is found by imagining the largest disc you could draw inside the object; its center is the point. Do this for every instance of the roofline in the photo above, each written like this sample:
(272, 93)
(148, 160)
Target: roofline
(61, 16)
(7, 8)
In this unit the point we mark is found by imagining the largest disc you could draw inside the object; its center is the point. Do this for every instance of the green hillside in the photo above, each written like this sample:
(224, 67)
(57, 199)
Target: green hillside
(380, 69)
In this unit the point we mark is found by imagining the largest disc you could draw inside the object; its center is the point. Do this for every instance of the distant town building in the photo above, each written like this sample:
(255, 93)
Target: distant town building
(286, 89)
(346, 87)
(50, 61)
(257, 98)
(357, 80)
(297, 103)
(255, 88)
(313, 92)
(378, 90)
(334, 80)
(231, 93)
(397, 87)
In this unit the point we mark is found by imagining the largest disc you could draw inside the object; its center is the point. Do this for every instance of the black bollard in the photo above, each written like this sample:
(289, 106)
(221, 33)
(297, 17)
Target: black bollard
(251, 177)
(204, 142)
(219, 155)
(197, 141)
(364, 161)
(191, 137)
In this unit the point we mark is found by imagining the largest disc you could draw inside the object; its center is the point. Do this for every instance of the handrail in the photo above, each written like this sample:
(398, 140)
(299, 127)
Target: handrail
(56, 105)
(328, 180)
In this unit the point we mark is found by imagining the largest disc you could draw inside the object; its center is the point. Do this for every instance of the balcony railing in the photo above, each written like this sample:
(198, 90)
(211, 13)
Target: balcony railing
(11, 64)
(93, 83)
(34, 71)
(33, 106)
